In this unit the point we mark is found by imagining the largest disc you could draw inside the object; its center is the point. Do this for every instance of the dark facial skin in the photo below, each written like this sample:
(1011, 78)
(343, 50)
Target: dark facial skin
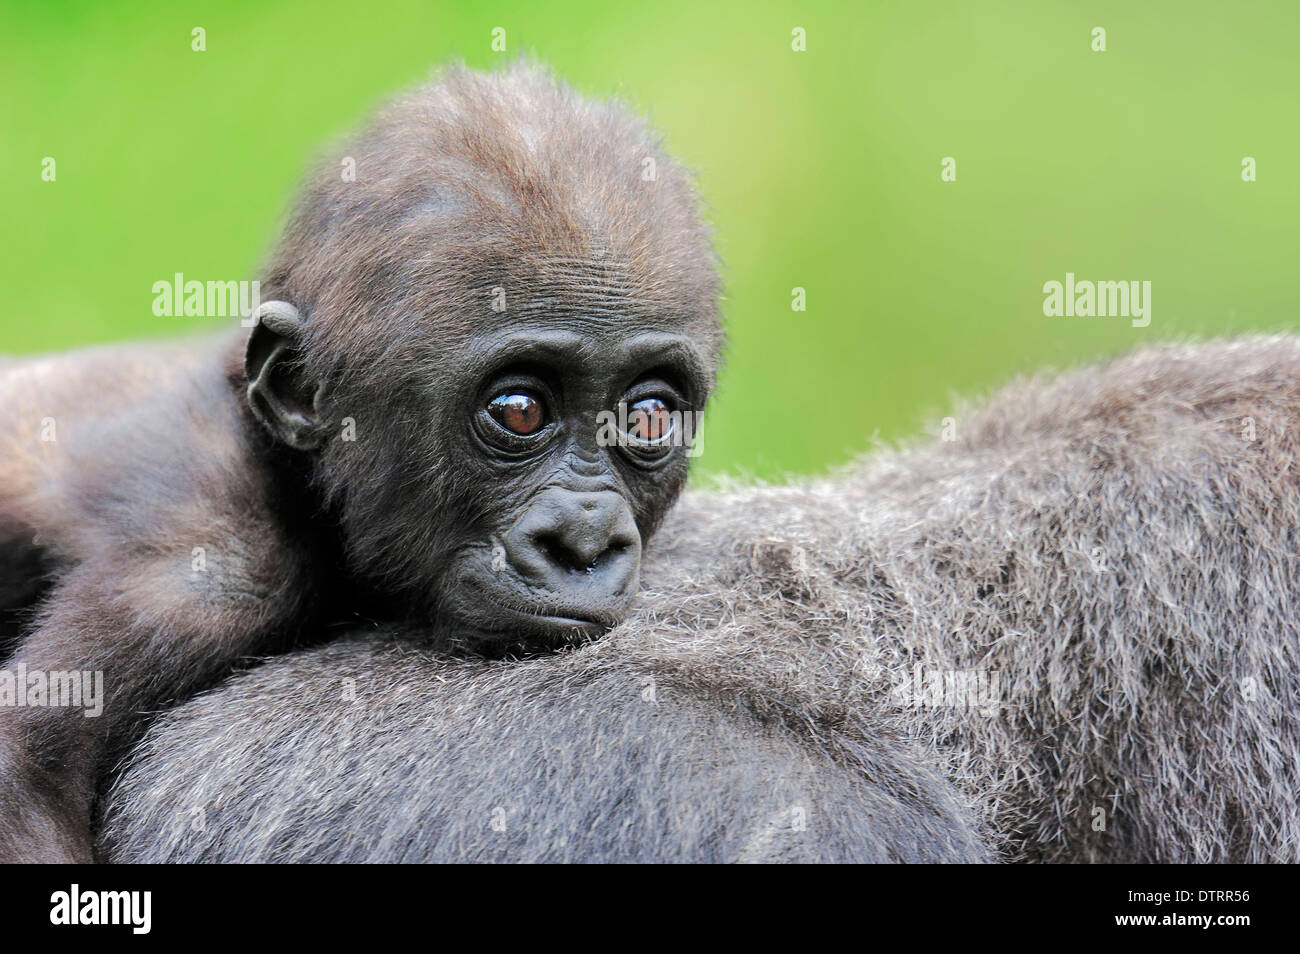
(558, 549)
(553, 504)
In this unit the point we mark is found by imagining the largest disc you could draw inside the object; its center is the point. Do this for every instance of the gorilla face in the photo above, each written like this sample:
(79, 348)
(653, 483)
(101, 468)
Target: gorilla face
(507, 484)
(577, 438)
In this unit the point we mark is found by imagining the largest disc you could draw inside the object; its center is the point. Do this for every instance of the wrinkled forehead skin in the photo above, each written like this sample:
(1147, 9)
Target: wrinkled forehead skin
(495, 201)
(437, 313)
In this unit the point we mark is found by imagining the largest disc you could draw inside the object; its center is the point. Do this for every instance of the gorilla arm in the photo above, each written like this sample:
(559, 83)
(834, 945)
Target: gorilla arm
(170, 566)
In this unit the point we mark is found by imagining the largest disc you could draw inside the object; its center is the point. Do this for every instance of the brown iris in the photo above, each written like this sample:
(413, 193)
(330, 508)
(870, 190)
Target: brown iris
(518, 413)
(649, 420)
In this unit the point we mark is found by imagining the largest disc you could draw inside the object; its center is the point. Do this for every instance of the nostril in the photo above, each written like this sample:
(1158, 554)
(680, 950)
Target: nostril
(575, 555)
(557, 554)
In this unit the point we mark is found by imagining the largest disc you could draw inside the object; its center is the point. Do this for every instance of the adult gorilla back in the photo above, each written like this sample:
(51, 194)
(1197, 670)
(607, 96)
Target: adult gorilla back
(1070, 634)
(375, 751)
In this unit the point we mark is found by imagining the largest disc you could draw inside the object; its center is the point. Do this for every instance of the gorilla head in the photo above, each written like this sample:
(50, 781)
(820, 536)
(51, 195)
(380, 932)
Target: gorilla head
(495, 323)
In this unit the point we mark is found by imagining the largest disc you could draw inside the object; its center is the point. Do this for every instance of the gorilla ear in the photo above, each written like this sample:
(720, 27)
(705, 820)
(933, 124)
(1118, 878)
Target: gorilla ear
(282, 395)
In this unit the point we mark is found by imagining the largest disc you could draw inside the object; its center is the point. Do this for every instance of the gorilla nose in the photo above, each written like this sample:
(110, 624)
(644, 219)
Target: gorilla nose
(584, 547)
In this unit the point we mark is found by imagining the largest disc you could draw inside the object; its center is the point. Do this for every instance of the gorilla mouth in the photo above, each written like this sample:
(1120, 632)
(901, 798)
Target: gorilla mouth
(508, 620)
(558, 621)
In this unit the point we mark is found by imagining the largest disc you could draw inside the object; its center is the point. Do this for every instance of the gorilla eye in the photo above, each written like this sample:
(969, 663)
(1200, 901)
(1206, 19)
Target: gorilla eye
(518, 413)
(649, 420)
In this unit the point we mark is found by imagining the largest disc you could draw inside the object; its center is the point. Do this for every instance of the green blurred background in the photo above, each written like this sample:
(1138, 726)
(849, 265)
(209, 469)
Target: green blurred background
(821, 170)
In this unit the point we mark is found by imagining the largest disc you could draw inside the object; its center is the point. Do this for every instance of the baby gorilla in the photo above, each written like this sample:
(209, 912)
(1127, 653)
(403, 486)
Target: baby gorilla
(467, 401)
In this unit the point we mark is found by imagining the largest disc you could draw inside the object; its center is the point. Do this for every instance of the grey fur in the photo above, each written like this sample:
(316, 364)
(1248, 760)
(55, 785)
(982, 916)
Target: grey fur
(1117, 544)
(572, 758)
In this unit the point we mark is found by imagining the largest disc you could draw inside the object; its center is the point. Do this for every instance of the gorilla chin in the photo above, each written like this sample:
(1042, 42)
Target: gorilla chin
(492, 619)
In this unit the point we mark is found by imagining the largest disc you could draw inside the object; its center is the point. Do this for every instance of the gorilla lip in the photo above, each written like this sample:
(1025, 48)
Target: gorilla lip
(567, 620)
(558, 620)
